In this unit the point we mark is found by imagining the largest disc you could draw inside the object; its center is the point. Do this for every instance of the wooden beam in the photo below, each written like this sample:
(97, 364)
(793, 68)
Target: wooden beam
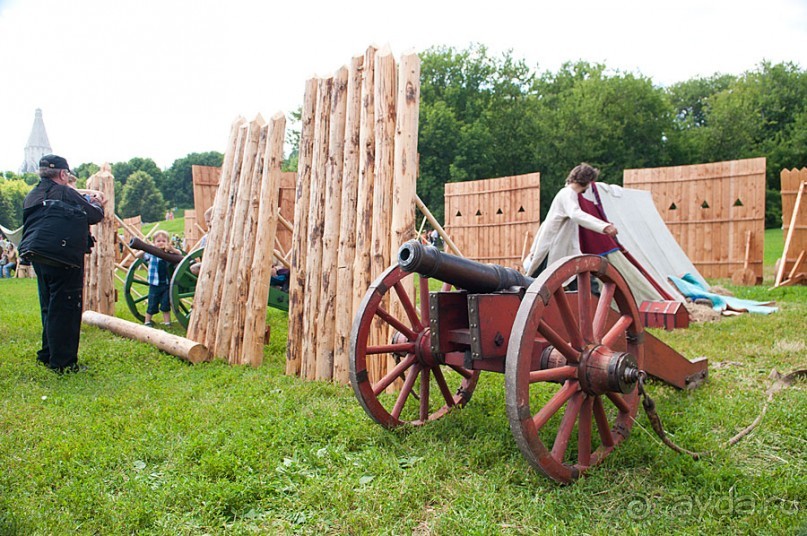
(167, 342)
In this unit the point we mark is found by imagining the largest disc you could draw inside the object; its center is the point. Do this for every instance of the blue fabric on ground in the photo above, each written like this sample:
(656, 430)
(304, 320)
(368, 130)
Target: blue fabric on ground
(691, 288)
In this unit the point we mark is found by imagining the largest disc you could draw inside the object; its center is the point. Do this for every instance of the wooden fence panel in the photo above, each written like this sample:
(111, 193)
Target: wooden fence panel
(489, 219)
(710, 208)
(791, 180)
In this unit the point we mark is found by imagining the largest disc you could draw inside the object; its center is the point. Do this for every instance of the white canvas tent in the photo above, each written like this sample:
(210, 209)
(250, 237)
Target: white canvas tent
(645, 236)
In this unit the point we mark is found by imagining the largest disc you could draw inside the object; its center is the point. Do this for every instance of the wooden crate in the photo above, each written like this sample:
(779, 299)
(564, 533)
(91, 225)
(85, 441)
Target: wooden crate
(669, 315)
(709, 208)
(490, 220)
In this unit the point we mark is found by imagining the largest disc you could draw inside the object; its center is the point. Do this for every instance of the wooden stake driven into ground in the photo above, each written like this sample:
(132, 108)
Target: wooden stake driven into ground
(266, 231)
(385, 93)
(362, 265)
(313, 267)
(99, 276)
(331, 226)
(347, 228)
(297, 283)
(198, 327)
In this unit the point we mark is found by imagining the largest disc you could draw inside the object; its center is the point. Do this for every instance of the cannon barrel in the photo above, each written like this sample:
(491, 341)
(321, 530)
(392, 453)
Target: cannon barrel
(173, 258)
(472, 276)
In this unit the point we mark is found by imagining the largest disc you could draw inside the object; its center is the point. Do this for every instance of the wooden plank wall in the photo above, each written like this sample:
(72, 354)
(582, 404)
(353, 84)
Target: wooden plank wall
(205, 183)
(490, 219)
(791, 179)
(355, 203)
(709, 208)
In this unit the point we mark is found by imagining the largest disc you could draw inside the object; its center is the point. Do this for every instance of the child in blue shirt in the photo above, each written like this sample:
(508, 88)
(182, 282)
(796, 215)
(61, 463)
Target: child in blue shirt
(159, 279)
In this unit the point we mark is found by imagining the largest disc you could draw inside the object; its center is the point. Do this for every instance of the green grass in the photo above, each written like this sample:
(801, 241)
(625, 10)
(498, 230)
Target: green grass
(144, 443)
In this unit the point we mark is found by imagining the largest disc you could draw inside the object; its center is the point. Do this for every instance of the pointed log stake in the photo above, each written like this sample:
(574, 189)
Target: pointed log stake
(197, 329)
(316, 206)
(385, 92)
(347, 230)
(167, 342)
(326, 313)
(300, 231)
(266, 231)
(362, 271)
(404, 184)
(229, 283)
(244, 272)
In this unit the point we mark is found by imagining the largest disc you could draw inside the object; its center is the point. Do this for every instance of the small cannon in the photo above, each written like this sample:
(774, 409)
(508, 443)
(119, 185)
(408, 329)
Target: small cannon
(182, 285)
(581, 350)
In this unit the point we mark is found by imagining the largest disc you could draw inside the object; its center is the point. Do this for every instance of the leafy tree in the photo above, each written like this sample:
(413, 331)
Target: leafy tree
(12, 195)
(141, 196)
(122, 170)
(86, 170)
(177, 181)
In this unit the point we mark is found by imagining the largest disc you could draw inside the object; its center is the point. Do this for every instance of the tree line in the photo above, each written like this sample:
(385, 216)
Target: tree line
(141, 187)
(483, 117)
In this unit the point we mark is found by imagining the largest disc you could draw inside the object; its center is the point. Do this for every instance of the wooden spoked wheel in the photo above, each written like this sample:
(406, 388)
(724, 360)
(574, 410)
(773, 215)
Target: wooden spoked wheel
(136, 289)
(592, 353)
(423, 388)
(183, 287)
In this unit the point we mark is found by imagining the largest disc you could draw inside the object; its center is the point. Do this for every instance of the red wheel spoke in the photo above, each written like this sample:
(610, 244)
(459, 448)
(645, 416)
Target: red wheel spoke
(603, 307)
(464, 372)
(619, 402)
(441, 383)
(602, 423)
(566, 426)
(395, 323)
(400, 348)
(558, 342)
(405, 391)
(393, 374)
(555, 403)
(617, 330)
(584, 433)
(406, 303)
(553, 375)
(423, 286)
(424, 395)
(584, 305)
(566, 315)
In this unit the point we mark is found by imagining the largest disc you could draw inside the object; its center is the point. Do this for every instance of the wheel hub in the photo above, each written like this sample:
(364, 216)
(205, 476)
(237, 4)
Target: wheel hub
(603, 370)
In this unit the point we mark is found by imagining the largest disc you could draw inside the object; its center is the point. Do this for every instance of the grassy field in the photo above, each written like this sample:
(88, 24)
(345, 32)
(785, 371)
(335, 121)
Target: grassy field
(143, 443)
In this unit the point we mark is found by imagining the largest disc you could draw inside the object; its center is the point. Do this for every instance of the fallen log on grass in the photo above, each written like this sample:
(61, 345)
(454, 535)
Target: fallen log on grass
(167, 342)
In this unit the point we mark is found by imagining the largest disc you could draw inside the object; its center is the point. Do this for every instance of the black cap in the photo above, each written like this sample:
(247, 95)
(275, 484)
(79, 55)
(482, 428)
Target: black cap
(53, 162)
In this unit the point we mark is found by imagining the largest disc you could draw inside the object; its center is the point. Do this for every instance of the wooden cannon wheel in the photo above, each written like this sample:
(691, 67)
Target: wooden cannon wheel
(587, 337)
(428, 389)
(136, 289)
(183, 287)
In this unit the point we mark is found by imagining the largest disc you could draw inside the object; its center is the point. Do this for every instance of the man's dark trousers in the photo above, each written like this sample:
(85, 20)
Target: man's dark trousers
(60, 293)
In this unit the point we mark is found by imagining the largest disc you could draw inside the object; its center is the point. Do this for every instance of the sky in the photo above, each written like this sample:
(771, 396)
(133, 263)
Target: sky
(160, 79)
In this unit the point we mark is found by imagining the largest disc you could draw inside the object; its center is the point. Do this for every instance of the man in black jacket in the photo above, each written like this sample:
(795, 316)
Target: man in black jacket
(60, 284)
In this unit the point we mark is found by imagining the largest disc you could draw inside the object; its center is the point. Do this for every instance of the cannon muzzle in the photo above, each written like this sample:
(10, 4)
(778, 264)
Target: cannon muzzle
(173, 258)
(472, 276)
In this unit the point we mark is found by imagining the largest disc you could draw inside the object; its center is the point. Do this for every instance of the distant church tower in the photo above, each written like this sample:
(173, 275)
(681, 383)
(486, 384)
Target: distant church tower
(38, 145)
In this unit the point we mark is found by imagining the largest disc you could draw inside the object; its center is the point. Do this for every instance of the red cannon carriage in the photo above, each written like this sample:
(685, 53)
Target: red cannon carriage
(571, 359)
